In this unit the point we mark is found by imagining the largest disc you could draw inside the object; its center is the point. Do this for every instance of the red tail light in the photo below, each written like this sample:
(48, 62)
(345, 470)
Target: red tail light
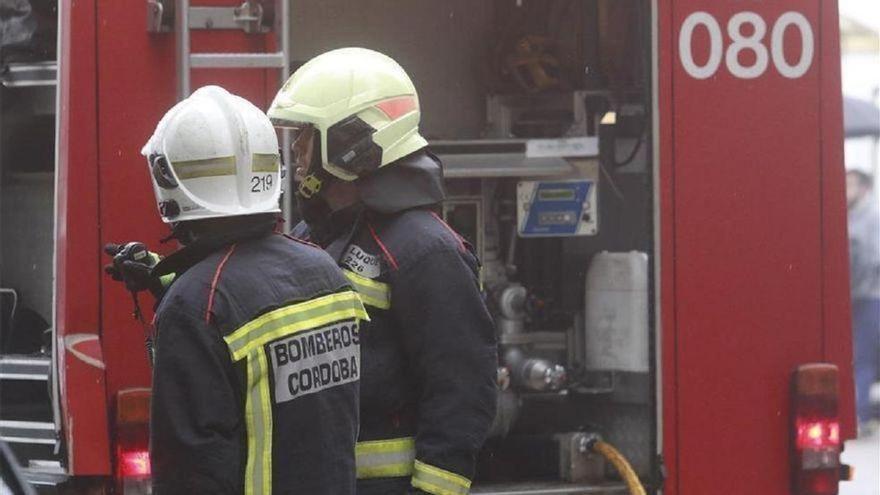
(132, 442)
(815, 430)
(134, 463)
(817, 434)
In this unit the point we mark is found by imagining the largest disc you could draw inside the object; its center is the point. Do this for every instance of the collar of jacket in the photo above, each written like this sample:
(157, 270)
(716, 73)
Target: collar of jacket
(335, 225)
(187, 256)
(413, 181)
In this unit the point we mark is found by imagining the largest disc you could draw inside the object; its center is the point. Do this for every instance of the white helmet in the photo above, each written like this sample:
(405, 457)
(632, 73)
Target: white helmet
(214, 155)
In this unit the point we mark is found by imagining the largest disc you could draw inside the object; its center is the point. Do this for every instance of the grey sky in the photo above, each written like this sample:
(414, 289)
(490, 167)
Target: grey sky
(866, 12)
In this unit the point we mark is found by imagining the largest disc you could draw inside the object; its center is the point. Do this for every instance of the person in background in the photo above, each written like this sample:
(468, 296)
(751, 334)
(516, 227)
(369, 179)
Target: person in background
(864, 252)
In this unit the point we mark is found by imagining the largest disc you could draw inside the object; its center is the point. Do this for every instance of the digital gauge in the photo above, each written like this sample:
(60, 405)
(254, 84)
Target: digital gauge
(557, 194)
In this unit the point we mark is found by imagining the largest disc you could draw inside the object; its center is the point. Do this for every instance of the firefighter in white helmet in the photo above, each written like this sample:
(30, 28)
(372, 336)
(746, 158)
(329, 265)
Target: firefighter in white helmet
(257, 362)
(368, 190)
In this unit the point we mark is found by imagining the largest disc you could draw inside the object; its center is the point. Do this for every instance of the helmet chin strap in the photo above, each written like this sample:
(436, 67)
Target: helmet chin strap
(310, 186)
(313, 210)
(315, 178)
(327, 213)
(181, 232)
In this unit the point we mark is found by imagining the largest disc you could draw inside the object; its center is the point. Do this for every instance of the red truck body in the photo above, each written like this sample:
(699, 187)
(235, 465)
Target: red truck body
(751, 263)
(753, 211)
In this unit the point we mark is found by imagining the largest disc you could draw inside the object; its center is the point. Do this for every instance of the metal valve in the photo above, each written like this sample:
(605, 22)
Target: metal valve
(543, 375)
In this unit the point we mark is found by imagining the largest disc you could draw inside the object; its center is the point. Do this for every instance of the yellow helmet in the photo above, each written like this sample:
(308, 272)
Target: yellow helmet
(362, 104)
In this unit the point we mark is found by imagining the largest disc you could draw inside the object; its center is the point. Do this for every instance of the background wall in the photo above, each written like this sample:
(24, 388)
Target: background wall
(442, 45)
(27, 195)
(26, 239)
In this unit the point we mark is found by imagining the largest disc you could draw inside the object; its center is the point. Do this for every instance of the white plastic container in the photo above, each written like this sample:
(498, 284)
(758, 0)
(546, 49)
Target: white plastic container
(616, 312)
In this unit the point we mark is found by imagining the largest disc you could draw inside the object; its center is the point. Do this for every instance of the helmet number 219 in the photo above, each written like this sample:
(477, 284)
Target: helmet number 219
(261, 183)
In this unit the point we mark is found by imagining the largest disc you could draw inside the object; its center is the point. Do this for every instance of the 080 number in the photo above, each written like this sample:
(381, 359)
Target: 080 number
(740, 42)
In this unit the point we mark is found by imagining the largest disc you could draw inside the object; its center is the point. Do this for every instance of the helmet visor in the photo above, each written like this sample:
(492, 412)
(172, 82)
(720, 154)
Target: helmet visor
(305, 150)
(290, 125)
(162, 172)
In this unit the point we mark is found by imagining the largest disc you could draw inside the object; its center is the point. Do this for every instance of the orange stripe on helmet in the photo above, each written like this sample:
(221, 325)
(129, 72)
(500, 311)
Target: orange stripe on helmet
(398, 106)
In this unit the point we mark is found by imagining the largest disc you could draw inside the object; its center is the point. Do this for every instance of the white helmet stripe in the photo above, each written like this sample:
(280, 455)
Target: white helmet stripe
(266, 162)
(211, 167)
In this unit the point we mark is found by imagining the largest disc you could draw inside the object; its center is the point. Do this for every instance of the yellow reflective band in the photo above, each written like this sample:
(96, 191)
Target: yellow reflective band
(154, 258)
(376, 294)
(294, 318)
(385, 458)
(438, 481)
(211, 167)
(251, 428)
(258, 422)
(166, 279)
(266, 406)
(266, 162)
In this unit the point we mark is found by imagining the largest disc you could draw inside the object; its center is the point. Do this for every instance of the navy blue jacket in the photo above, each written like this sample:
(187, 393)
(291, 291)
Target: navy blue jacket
(256, 372)
(429, 351)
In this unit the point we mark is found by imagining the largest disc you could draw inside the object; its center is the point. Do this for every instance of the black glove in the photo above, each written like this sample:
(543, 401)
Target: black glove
(132, 264)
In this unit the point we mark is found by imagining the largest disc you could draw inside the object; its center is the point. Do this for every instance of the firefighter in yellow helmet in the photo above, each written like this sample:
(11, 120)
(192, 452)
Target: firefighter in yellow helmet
(367, 190)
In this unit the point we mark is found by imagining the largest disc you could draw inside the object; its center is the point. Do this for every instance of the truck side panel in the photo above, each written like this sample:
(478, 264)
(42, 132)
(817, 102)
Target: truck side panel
(751, 251)
(137, 85)
(116, 81)
(78, 263)
(665, 191)
(837, 323)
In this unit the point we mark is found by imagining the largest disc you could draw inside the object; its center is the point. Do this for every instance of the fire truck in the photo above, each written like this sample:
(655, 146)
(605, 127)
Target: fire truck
(655, 187)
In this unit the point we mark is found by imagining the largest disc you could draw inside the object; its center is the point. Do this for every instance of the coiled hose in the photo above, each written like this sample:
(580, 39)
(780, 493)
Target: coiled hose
(620, 463)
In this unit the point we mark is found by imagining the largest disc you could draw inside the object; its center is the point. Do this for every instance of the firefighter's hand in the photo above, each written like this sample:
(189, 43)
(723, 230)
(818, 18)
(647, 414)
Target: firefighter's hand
(132, 263)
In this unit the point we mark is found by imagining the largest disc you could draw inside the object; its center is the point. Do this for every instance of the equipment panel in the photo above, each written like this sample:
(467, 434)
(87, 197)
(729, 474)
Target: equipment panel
(556, 208)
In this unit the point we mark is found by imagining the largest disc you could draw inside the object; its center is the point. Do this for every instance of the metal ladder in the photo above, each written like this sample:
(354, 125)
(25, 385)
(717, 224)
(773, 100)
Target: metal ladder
(35, 440)
(30, 435)
(253, 17)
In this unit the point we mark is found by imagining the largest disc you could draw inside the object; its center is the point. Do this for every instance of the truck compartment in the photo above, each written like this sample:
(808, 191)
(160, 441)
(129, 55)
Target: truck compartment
(27, 231)
(541, 113)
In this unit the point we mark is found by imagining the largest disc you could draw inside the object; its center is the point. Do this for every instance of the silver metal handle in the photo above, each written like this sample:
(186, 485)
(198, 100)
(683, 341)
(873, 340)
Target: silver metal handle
(282, 28)
(181, 28)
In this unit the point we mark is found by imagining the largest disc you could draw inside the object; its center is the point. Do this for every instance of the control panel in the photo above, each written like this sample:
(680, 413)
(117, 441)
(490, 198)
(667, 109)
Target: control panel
(556, 208)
